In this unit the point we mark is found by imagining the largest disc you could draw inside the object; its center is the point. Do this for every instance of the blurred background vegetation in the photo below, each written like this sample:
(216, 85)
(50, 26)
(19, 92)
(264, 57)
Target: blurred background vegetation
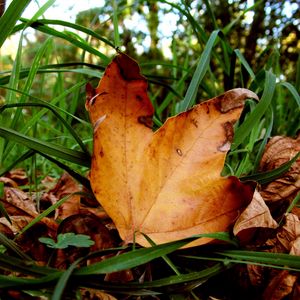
(167, 38)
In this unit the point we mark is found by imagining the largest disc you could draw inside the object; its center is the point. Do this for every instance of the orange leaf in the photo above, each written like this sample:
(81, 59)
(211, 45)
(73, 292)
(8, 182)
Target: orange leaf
(165, 184)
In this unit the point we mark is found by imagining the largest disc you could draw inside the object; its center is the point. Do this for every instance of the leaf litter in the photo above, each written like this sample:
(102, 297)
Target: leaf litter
(256, 220)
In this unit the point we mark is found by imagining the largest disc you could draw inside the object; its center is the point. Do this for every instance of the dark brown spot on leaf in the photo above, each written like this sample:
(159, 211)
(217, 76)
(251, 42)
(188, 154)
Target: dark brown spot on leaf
(146, 120)
(194, 122)
(179, 152)
(139, 98)
(228, 128)
(101, 153)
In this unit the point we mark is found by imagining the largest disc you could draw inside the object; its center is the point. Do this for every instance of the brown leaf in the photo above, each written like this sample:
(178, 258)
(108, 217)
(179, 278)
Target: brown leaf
(256, 215)
(289, 234)
(17, 202)
(165, 184)
(19, 176)
(280, 192)
(17, 222)
(88, 294)
(280, 286)
(30, 244)
(64, 187)
(21, 209)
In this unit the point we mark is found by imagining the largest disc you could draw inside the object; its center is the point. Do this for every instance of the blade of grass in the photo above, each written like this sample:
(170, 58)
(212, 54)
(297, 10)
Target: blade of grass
(279, 259)
(293, 91)
(269, 176)
(74, 156)
(12, 246)
(201, 70)
(116, 24)
(78, 43)
(293, 203)
(28, 84)
(63, 280)
(53, 110)
(42, 10)
(46, 212)
(244, 130)
(70, 25)
(3, 211)
(18, 160)
(34, 119)
(81, 179)
(244, 63)
(25, 283)
(13, 264)
(10, 18)
(141, 256)
(269, 126)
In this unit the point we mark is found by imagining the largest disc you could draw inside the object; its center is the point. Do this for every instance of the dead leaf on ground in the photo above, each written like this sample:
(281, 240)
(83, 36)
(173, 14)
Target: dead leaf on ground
(19, 176)
(287, 237)
(30, 244)
(64, 187)
(256, 215)
(280, 286)
(165, 184)
(280, 192)
(87, 294)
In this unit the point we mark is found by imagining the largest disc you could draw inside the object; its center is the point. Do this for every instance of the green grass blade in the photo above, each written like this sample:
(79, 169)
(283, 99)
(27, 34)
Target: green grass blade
(243, 61)
(277, 259)
(293, 91)
(73, 156)
(293, 203)
(70, 25)
(244, 130)
(269, 176)
(131, 259)
(19, 159)
(201, 70)
(26, 283)
(10, 18)
(46, 212)
(70, 38)
(30, 79)
(12, 246)
(42, 10)
(141, 256)
(13, 264)
(54, 111)
(116, 24)
(3, 211)
(81, 179)
(63, 280)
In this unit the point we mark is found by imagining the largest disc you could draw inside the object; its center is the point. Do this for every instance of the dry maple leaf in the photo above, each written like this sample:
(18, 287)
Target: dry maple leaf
(165, 184)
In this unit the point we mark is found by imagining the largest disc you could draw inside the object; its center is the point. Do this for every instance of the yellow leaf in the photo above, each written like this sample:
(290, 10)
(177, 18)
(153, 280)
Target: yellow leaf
(165, 184)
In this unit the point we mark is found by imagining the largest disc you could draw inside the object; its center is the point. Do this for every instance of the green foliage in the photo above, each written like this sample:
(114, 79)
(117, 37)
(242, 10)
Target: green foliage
(64, 240)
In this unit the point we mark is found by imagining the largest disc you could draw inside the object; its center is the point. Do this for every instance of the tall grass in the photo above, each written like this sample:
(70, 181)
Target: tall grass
(44, 127)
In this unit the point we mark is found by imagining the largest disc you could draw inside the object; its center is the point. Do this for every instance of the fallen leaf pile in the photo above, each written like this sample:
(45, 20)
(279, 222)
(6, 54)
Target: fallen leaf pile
(164, 184)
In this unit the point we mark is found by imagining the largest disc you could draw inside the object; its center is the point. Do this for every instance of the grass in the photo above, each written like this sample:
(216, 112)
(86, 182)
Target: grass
(46, 91)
